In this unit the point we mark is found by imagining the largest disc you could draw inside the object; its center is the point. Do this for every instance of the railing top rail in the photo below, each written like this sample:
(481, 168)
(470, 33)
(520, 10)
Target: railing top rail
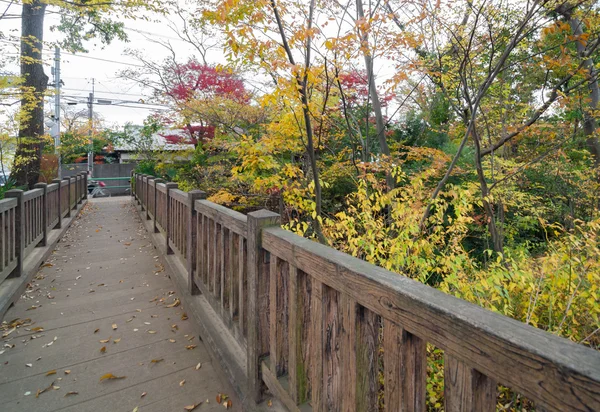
(179, 195)
(52, 187)
(529, 360)
(32, 194)
(96, 179)
(64, 183)
(8, 203)
(161, 187)
(234, 221)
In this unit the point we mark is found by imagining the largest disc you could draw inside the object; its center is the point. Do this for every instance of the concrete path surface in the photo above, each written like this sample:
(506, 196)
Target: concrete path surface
(103, 306)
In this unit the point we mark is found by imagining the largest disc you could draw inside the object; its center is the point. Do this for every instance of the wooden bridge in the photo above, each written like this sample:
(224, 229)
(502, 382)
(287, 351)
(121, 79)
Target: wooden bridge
(289, 323)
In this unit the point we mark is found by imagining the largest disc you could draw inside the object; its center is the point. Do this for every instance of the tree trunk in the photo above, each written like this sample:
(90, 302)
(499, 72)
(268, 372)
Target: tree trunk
(31, 129)
(383, 146)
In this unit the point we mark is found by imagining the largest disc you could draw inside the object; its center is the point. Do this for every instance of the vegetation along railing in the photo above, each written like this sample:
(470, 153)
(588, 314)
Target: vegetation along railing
(326, 331)
(26, 217)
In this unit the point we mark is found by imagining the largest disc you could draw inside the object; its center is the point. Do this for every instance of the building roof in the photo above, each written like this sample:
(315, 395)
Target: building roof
(158, 142)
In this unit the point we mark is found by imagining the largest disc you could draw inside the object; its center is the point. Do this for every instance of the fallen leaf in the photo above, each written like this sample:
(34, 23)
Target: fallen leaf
(269, 403)
(27, 393)
(146, 323)
(127, 243)
(37, 329)
(172, 340)
(52, 372)
(10, 331)
(111, 376)
(29, 365)
(40, 391)
(157, 360)
(67, 371)
(117, 340)
(184, 316)
(97, 330)
(105, 340)
(192, 407)
(227, 404)
(47, 265)
(114, 326)
(182, 383)
(190, 346)
(176, 303)
(143, 394)
(103, 349)
(218, 398)
(71, 393)
(135, 409)
(152, 332)
(199, 365)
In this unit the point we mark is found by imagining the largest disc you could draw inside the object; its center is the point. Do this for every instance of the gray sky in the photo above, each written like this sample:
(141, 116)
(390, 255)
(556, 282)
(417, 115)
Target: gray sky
(102, 65)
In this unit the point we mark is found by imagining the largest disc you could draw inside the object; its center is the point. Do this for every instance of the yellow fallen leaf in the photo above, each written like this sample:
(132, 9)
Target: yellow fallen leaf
(157, 360)
(47, 265)
(135, 409)
(199, 365)
(37, 329)
(105, 340)
(172, 340)
(190, 346)
(176, 303)
(52, 372)
(103, 349)
(114, 326)
(71, 393)
(117, 340)
(192, 407)
(269, 403)
(152, 332)
(67, 371)
(111, 376)
(184, 316)
(182, 383)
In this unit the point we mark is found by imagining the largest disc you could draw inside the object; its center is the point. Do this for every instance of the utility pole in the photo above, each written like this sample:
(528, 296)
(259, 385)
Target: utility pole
(91, 124)
(57, 108)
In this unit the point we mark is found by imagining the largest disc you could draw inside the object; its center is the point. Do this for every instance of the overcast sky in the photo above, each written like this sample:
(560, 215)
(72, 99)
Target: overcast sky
(102, 65)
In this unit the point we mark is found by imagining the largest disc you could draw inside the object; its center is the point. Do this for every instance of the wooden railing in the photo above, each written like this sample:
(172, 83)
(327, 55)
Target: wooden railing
(326, 331)
(26, 218)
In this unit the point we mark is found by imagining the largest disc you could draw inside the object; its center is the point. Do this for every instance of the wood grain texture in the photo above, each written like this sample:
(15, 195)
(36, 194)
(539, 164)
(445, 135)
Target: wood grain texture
(231, 219)
(348, 368)
(367, 360)
(465, 389)
(278, 318)
(257, 279)
(555, 372)
(332, 358)
(316, 328)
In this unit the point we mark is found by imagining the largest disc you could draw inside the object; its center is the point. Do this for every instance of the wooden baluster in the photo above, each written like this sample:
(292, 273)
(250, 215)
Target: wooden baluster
(225, 277)
(234, 274)
(43, 207)
(466, 389)
(218, 250)
(243, 285)
(367, 356)
(278, 319)
(405, 363)
(169, 211)
(348, 353)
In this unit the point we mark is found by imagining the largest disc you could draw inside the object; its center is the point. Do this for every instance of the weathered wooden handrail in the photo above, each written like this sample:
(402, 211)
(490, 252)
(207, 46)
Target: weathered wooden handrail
(27, 217)
(321, 328)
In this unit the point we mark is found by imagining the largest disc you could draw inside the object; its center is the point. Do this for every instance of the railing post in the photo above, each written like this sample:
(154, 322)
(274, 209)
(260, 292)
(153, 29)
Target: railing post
(132, 185)
(68, 187)
(156, 182)
(75, 206)
(59, 190)
(147, 196)
(258, 281)
(192, 238)
(19, 229)
(83, 187)
(169, 186)
(44, 187)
